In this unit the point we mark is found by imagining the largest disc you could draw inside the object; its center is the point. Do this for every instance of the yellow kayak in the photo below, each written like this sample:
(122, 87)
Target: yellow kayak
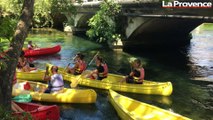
(113, 82)
(130, 109)
(64, 96)
(35, 76)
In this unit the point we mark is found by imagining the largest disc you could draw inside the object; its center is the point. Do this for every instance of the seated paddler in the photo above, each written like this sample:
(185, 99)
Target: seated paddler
(23, 65)
(136, 76)
(55, 81)
(30, 46)
(101, 70)
(80, 65)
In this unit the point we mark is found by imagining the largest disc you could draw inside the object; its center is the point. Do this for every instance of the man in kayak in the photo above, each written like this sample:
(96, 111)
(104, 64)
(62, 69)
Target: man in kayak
(80, 65)
(137, 74)
(101, 70)
(55, 81)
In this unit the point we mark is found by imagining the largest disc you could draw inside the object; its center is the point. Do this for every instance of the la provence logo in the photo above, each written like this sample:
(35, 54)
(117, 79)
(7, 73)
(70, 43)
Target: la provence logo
(181, 4)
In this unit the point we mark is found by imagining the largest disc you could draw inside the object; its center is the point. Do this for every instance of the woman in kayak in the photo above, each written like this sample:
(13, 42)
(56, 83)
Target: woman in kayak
(80, 65)
(23, 65)
(101, 70)
(136, 76)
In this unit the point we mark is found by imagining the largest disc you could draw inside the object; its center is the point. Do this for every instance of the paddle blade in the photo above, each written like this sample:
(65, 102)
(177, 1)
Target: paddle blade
(75, 82)
(79, 78)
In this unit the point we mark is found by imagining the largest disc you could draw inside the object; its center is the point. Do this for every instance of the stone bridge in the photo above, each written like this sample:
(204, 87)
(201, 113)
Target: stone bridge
(146, 23)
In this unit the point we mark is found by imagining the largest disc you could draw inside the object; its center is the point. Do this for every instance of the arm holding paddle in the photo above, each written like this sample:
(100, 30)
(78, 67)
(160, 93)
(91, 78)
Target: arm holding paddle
(101, 70)
(30, 45)
(75, 83)
(55, 81)
(45, 78)
(80, 65)
(137, 74)
(66, 67)
(46, 75)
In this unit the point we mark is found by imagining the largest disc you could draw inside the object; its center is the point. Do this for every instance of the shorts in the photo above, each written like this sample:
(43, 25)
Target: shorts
(76, 73)
(100, 78)
(131, 80)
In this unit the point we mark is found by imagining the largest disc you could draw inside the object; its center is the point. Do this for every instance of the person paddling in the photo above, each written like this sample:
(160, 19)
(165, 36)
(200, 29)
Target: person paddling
(101, 70)
(80, 65)
(23, 64)
(30, 46)
(55, 81)
(136, 76)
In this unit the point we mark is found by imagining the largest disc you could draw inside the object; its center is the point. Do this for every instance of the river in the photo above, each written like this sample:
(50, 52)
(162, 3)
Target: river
(190, 70)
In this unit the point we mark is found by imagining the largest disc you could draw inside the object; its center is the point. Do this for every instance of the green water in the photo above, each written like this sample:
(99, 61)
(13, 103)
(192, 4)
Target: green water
(190, 70)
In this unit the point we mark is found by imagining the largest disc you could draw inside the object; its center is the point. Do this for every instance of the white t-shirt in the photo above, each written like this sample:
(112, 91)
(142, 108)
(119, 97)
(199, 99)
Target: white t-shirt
(56, 82)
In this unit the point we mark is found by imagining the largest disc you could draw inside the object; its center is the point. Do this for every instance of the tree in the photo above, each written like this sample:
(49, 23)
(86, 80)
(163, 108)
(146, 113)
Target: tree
(47, 13)
(103, 23)
(20, 34)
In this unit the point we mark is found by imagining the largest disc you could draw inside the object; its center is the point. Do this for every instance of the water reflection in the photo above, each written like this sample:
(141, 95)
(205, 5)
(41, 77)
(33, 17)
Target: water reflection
(201, 54)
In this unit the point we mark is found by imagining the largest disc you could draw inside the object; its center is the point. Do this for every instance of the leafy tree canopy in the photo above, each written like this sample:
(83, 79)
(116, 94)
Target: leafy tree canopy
(103, 23)
(44, 10)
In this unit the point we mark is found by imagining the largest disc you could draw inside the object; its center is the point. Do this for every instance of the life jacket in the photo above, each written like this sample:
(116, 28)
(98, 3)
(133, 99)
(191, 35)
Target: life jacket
(30, 47)
(105, 73)
(82, 66)
(139, 75)
(19, 66)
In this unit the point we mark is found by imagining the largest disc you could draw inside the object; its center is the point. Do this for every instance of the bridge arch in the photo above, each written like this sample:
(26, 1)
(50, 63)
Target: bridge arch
(149, 32)
(145, 21)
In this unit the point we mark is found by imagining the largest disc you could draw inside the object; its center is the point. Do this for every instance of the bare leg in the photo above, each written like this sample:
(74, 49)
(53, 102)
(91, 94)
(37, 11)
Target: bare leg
(123, 80)
(26, 69)
(70, 70)
(92, 76)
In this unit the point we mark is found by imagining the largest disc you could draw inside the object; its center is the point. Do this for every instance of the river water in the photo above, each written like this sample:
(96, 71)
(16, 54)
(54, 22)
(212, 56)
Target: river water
(190, 70)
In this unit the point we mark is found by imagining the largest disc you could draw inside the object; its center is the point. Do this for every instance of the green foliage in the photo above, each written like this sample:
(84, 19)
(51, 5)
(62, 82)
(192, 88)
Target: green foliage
(7, 115)
(3, 65)
(9, 7)
(103, 25)
(64, 6)
(7, 27)
(44, 10)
